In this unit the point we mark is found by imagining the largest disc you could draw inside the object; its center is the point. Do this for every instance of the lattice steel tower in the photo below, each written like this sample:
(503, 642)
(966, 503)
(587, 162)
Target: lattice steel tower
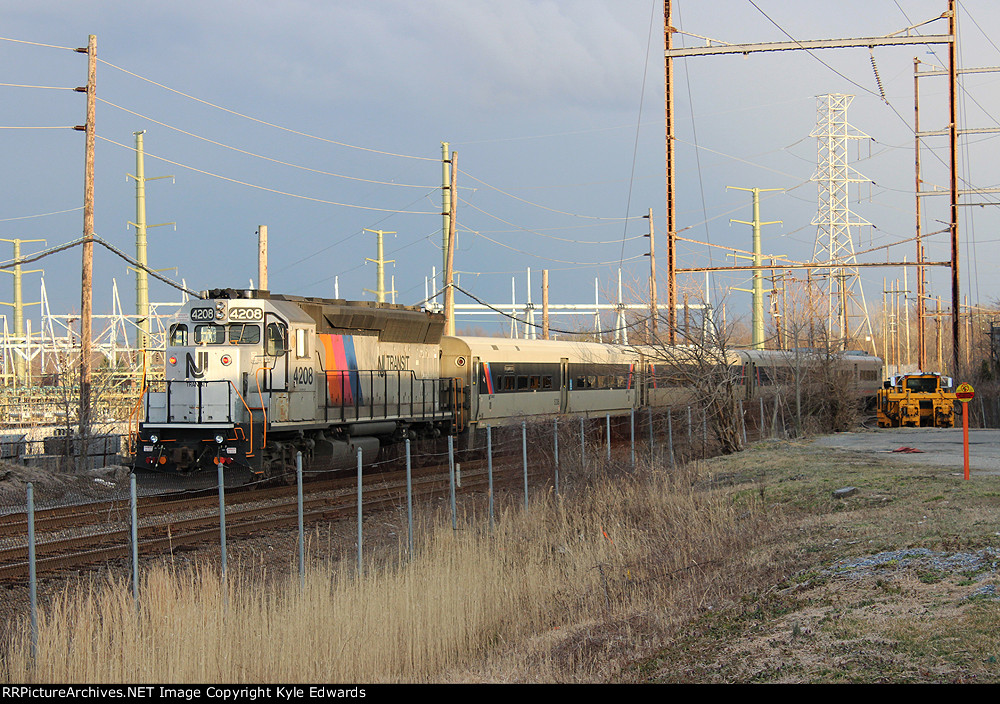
(835, 222)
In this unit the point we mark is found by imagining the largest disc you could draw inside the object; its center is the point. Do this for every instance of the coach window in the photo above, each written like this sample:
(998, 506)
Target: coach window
(209, 334)
(546, 382)
(522, 383)
(301, 343)
(179, 335)
(508, 383)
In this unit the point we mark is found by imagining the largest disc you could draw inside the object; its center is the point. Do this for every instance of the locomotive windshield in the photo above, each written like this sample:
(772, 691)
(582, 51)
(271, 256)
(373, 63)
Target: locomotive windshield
(244, 334)
(209, 334)
(179, 335)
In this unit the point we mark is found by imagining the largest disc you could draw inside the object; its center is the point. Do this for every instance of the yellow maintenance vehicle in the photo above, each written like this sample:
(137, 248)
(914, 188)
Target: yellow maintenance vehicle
(917, 400)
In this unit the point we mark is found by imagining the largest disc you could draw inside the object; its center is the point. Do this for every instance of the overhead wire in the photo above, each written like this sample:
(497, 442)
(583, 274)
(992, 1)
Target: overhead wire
(264, 122)
(537, 205)
(261, 156)
(638, 121)
(50, 46)
(42, 215)
(270, 190)
(11, 263)
(531, 231)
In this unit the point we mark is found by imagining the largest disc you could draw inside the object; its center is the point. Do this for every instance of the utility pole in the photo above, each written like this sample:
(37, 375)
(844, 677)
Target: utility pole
(87, 283)
(937, 328)
(668, 109)
(956, 328)
(449, 261)
(653, 312)
(545, 304)
(380, 263)
(446, 196)
(758, 281)
(921, 342)
(713, 47)
(20, 374)
(141, 277)
(262, 257)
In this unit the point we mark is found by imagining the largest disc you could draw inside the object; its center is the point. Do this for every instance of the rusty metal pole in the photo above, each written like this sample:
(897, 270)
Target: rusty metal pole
(921, 340)
(653, 308)
(87, 272)
(956, 327)
(668, 109)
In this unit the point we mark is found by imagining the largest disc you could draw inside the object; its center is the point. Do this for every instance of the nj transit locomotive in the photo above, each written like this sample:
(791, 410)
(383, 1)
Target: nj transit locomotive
(254, 377)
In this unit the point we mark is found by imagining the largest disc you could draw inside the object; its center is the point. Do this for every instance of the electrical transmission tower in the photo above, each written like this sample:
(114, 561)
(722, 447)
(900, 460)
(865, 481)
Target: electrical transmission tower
(835, 221)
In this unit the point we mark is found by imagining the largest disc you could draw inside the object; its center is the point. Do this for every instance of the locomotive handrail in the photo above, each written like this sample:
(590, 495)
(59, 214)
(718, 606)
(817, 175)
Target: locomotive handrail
(249, 412)
(263, 408)
(344, 389)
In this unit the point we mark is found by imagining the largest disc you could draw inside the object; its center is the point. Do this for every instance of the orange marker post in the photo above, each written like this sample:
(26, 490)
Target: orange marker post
(965, 393)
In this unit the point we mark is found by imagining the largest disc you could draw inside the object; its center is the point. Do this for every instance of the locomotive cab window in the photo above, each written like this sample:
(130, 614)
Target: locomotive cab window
(275, 339)
(209, 334)
(179, 335)
(244, 334)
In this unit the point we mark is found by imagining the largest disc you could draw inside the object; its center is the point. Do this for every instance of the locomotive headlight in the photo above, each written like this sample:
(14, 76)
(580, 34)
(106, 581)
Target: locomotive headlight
(220, 438)
(172, 360)
(226, 360)
(154, 438)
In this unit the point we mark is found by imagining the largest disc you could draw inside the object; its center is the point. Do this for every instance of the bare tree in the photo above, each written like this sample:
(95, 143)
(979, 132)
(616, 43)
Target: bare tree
(704, 372)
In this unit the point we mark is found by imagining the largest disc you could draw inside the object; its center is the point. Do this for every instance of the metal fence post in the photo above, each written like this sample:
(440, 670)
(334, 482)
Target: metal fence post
(670, 434)
(607, 434)
(489, 468)
(134, 506)
(524, 459)
(690, 440)
(761, 417)
(583, 446)
(302, 532)
(555, 439)
(451, 481)
(652, 447)
(409, 500)
(743, 423)
(631, 420)
(704, 432)
(222, 516)
(32, 581)
(360, 536)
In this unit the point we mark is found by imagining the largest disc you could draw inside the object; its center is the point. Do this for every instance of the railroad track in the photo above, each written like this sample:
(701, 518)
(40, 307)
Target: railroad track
(76, 537)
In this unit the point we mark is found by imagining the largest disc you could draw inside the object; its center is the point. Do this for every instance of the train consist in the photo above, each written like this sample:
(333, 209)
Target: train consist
(253, 377)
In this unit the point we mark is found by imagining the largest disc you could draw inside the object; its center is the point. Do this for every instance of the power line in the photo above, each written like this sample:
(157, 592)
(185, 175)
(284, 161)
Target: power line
(264, 122)
(270, 190)
(261, 156)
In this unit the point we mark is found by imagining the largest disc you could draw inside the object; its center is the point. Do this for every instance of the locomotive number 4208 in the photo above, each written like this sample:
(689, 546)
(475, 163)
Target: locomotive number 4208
(303, 376)
(246, 314)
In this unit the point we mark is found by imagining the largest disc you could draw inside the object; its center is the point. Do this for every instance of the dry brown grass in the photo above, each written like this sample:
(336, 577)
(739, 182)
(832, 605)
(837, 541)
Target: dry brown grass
(730, 570)
(571, 581)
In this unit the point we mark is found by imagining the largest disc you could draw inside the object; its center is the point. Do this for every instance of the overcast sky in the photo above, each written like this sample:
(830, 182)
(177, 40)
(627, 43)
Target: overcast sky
(321, 119)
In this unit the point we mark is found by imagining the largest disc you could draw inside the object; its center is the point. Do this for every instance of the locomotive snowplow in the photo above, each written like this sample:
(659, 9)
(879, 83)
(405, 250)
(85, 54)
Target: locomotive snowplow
(918, 400)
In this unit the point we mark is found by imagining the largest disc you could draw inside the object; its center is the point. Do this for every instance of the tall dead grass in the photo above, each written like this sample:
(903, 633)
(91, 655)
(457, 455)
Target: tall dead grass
(643, 548)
